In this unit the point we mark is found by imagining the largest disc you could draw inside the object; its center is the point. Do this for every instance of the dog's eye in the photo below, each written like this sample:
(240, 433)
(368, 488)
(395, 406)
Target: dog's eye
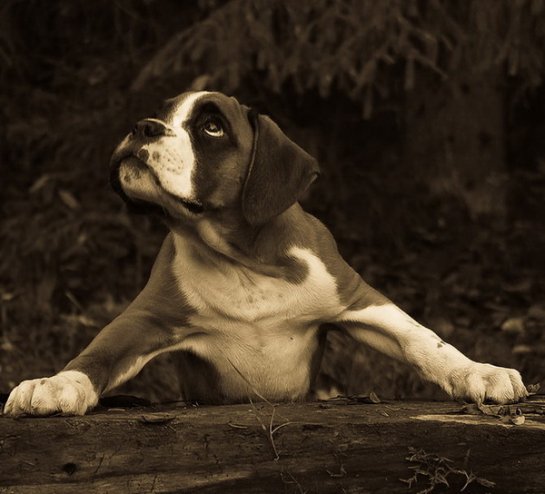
(213, 127)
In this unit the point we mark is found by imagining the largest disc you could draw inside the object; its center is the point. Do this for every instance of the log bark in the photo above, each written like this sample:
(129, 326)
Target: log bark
(339, 446)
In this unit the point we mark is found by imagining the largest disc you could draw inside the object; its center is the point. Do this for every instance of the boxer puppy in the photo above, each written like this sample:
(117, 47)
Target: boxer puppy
(246, 281)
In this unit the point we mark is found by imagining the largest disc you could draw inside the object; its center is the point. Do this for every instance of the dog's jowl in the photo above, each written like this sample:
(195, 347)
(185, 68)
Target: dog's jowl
(245, 279)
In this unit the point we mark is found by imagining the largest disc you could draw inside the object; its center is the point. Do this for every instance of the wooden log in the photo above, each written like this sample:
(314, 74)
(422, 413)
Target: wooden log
(326, 447)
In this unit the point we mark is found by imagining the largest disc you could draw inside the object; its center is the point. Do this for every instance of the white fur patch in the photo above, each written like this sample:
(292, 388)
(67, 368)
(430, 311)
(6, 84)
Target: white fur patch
(390, 330)
(68, 392)
(140, 183)
(222, 288)
(255, 325)
(171, 158)
(184, 109)
(177, 165)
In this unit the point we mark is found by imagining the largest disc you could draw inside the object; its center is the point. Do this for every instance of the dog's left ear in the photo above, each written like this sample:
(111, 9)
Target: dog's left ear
(278, 175)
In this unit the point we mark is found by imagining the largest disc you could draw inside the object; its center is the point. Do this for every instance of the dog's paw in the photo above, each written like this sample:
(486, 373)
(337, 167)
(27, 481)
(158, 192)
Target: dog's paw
(68, 393)
(478, 383)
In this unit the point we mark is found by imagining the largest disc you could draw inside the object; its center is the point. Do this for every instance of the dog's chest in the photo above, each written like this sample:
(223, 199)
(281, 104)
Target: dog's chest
(253, 325)
(224, 291)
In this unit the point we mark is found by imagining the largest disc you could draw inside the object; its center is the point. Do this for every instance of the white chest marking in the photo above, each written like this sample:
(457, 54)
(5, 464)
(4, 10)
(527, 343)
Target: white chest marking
(256, 326)
(229, 291)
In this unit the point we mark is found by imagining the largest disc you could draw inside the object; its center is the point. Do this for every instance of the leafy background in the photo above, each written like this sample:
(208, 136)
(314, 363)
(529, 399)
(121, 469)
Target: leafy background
(428, 118)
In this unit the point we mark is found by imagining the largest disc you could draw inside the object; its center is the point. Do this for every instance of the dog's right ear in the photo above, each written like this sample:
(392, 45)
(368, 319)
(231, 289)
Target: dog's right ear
(279, 172)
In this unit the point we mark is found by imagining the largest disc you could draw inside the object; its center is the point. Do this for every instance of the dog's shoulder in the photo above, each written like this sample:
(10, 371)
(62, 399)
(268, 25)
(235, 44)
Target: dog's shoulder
(161, 299)
(295, 229)
(305, 234)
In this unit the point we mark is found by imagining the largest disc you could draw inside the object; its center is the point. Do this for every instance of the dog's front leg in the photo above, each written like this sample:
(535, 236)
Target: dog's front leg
(374, 320)
(154, 323)
(118, 353)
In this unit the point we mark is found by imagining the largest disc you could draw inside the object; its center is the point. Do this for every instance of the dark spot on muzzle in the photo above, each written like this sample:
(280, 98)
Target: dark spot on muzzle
(143, 155)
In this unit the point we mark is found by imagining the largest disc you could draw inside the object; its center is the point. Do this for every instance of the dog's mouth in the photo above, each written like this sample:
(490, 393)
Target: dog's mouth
(194, 207)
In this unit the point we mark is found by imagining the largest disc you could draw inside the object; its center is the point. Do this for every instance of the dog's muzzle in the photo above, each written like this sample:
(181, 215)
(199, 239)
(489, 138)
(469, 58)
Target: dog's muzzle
(144, 131)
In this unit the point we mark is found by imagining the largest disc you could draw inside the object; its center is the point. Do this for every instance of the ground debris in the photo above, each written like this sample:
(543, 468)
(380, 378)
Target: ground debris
(439, 471)
(533, 389)
(511, 414)
(157, 418)
(370, 398)
(514, 325)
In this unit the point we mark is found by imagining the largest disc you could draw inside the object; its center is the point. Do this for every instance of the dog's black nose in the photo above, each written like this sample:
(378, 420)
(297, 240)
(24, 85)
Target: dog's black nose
(150, 127)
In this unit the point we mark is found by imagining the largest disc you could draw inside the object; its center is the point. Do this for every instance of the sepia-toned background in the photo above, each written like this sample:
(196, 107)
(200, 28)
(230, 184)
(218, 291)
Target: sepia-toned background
(427, 117)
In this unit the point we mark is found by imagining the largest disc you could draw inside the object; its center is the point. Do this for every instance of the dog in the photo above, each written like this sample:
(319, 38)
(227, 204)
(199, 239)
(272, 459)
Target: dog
(246, 281)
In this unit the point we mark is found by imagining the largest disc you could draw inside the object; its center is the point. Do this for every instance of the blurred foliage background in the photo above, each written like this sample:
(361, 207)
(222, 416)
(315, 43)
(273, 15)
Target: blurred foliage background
(428, 118)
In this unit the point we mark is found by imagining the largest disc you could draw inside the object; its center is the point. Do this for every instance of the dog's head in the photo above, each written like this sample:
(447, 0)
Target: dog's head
(202, 153)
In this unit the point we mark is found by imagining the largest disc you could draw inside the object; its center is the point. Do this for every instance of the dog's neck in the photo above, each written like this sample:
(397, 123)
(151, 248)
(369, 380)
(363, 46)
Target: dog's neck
(228, 237)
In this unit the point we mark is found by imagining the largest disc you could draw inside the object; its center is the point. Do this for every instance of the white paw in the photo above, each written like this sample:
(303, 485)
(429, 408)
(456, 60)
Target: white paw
(478, 383)
(68, 392)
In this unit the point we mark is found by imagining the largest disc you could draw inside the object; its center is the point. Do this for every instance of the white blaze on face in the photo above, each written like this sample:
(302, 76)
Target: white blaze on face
(183, 183)
(176, 178)
(182, 112)
(171, 158)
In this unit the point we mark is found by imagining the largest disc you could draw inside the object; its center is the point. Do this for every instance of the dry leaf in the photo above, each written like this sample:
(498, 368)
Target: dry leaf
(68, 199)
(513, 325)
(521, 349)
(518, 420)
(533, 389)
(157, 418)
